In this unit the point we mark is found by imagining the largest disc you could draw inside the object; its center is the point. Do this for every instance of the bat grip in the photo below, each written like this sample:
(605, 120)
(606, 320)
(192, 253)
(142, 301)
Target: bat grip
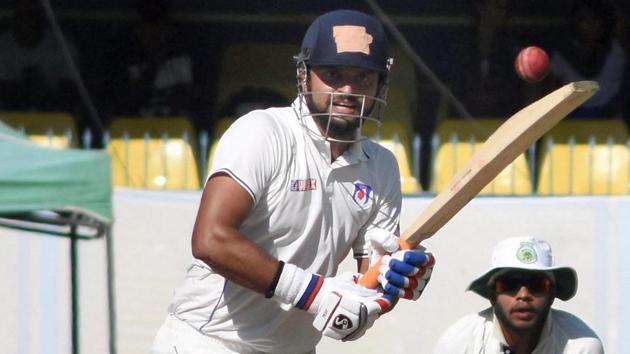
(370, 278)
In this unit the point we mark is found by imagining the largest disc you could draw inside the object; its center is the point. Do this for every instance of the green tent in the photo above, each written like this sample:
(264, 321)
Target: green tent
(58, 192)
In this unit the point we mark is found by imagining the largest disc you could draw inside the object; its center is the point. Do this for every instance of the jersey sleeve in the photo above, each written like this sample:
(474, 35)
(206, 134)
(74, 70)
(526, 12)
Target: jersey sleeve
(248, 152)
(466, 335)
(578, 336)
(386, 214)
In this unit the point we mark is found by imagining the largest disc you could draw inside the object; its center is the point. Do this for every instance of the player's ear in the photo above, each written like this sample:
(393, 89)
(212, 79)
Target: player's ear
(302, 73)
(302, 77)
(382, 89)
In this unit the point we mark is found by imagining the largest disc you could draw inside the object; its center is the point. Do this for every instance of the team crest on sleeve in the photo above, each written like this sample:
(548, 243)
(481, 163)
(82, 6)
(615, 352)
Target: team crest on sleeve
(362, 194)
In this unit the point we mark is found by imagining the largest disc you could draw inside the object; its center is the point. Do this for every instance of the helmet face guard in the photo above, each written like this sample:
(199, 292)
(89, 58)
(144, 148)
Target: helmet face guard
(368, 117)
(344, 38)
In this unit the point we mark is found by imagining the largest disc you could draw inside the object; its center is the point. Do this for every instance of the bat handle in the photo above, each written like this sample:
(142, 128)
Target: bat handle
(370, 278)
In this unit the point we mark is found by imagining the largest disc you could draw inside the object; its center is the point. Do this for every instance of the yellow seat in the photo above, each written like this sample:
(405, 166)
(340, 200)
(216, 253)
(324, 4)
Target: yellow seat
(458, 141)
(52, 129)
(252, 64)
(154, 153)
(397, 128)
(585, 158)
(393, 136)
(219, 128)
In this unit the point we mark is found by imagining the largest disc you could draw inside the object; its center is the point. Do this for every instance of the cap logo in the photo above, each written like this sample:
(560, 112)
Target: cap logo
(526, 253)
(352, 39)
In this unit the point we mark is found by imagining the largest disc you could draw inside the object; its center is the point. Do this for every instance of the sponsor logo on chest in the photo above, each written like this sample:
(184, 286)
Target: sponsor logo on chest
(303, 185)
(361, 193)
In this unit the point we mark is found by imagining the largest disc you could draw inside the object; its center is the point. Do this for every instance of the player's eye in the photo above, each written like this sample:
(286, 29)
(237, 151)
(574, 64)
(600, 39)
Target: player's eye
(332, 75)
(366, 79)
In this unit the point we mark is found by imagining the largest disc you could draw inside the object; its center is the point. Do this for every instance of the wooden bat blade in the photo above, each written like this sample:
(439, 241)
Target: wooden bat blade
(510, 140)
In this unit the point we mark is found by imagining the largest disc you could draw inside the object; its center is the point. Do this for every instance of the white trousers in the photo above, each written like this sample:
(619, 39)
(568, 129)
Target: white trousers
(177, 337)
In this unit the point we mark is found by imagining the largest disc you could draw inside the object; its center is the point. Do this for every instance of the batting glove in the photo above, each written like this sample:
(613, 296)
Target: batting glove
(404, 273)
(343, 309)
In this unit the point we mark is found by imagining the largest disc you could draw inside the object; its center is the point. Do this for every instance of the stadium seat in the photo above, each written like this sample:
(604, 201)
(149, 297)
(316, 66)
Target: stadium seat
(154, 153)
(585, 157)
(397, 128)
(257, 64)
(53, 129)
(458, 140)
(394, 136)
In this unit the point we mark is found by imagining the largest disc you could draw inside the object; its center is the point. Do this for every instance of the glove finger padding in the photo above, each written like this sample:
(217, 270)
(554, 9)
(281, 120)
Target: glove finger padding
(406, 273)
(347, 317)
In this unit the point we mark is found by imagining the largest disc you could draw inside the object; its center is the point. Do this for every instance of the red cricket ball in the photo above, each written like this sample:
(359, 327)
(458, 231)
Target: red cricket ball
(532, 64)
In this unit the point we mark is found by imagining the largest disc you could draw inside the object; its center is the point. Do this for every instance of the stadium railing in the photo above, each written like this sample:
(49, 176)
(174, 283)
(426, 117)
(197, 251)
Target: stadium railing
(577, 157)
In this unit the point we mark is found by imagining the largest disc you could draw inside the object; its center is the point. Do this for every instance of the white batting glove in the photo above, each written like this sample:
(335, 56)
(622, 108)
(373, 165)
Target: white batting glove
(404, 273)
(348, 310)
(383, 243)
(343, 309)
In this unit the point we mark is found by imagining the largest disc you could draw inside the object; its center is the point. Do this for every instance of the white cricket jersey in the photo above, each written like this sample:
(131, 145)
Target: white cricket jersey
(307, 211)
(480, 333)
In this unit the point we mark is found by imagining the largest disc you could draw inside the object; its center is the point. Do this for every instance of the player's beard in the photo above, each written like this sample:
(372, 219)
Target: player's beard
(341, 126)
(504, 317)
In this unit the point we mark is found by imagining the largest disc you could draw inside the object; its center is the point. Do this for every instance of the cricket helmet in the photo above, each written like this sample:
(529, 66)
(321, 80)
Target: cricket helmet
(346, 38)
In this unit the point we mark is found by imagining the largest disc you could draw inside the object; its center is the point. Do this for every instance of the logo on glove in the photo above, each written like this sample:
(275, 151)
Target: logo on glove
(342, 322)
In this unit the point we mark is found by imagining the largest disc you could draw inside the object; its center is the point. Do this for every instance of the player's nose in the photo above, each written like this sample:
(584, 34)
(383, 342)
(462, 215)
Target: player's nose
(523, 292)
(345, 87)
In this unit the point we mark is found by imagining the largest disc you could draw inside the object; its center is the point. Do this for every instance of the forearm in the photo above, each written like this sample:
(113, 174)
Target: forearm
(363, 264)
(238, 259)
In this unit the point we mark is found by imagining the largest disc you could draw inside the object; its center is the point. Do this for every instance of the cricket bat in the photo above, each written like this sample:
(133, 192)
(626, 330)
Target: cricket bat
(510, 140)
